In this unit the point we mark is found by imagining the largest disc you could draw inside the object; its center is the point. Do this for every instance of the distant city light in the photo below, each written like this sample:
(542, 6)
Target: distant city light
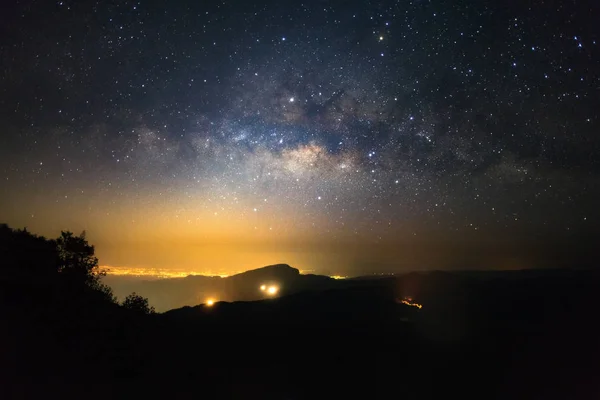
(263, 287)
(160, 273)
(409, 302)
(210, 302)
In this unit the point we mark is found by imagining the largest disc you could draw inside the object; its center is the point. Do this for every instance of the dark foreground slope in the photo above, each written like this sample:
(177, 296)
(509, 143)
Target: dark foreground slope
(530, 335)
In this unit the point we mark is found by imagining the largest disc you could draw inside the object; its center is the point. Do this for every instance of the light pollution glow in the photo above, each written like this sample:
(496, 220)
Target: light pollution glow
(158, 273)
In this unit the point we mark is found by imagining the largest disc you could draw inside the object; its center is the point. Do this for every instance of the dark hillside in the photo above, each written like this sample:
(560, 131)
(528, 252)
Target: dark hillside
(505, 335)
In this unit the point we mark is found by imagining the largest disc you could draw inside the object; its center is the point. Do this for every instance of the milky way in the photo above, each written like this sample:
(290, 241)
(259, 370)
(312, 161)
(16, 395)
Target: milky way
(378, 121)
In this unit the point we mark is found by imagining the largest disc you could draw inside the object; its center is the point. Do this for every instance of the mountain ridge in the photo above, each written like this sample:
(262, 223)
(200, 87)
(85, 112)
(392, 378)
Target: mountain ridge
(171, 293)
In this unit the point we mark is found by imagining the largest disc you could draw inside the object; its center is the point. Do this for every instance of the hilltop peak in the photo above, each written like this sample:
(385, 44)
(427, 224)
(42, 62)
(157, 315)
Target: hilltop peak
(275, 270)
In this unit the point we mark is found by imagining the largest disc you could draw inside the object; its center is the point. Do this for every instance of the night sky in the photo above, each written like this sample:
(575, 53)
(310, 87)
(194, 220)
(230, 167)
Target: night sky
(341, 138)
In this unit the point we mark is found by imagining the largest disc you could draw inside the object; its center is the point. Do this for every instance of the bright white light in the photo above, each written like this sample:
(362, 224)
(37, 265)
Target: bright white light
(263, 287)
(291, 99)
(210, 302)
(272, 290)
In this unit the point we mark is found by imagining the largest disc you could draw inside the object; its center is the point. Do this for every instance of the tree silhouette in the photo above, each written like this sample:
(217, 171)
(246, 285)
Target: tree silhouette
(24, 255)
(138, 303)
(77, 258)
(78, 263)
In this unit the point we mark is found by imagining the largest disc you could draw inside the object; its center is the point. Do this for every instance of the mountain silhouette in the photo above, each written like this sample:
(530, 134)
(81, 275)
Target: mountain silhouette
(170, 293)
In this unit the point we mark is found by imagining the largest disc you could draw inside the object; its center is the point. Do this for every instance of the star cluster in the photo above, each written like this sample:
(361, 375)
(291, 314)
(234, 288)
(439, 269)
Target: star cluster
(367, 122)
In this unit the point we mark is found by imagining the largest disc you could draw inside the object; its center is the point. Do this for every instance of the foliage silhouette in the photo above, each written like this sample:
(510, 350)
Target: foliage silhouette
(26, 256)
(138, 303)
(68, 262)
(77, 261)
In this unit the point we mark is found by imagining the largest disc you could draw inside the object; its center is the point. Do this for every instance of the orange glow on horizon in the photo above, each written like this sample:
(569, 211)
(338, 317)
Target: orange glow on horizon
(159, 272)
(166, 273)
